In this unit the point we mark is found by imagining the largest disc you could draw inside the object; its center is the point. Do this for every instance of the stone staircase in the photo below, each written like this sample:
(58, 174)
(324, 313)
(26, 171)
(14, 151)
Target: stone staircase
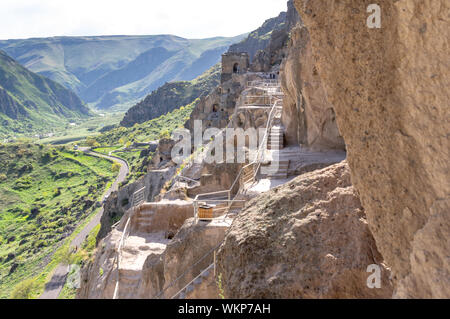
(206, 276)
(129, 282)
(144, 221)
(275, 143)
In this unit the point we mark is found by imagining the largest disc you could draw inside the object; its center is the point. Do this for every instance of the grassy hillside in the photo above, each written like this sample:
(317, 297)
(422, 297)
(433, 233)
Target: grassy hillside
(152, 130)
(30, 103)
(82, 129)
(44, 193)
(171, 96)
(118, 71)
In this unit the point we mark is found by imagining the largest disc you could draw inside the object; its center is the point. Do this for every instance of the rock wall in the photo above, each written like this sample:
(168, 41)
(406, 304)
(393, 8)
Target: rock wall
(308, 116)
(190, 252)
(258, 39)
(389, 89)
(306, 239)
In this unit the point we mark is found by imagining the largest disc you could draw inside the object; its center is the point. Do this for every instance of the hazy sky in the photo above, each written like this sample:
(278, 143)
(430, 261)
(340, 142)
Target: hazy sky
(186, 18)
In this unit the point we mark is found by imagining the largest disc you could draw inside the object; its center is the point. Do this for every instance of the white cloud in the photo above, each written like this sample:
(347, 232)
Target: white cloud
(186, 18)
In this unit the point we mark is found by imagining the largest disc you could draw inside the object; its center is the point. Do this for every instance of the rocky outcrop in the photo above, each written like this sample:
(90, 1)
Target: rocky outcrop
(171, 96)
(388, 87)
(306, 239)
(215, 109)
(271, 56)
(190, 252)
(163, 154)
(259, 39)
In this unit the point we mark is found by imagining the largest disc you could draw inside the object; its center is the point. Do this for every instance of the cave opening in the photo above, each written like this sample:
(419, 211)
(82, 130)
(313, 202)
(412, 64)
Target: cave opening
(236, 68)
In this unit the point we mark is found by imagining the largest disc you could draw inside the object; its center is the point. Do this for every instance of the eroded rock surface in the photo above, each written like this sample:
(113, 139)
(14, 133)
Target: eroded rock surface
(308, 116)
(306, 239)
(190, 252)
(389, 88)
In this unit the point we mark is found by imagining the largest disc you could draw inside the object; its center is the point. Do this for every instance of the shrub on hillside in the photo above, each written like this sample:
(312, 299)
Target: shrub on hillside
(23, 290)
(164, 134)
(116, 167)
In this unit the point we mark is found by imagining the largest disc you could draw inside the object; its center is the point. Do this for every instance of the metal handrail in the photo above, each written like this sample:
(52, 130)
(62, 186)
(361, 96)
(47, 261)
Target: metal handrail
(126, 232)
(118, 256)
(161, 293)
(186, 179)
(213, 193)
(266, 136)
(230, 201)
(201, 274)
(263, 83)
(196, 200)
(239, 175)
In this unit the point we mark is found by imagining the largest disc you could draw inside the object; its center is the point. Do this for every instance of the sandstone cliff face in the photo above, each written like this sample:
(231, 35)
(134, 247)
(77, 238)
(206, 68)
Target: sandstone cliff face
(308, 116)
(276, 49)
(306, 239)
(190, 252)
(389, 88)
(258, 40)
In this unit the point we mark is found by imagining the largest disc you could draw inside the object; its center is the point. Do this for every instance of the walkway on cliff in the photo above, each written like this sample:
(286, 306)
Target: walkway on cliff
(56, 284)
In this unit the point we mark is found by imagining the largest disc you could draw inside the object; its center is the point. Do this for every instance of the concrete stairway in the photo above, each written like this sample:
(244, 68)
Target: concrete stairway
(276, 138)
(279, 171)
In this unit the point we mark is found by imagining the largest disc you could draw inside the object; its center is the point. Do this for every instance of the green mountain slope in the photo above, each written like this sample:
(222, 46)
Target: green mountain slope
(118, 71)
(32, 103)
(45, 193)
(171, 96)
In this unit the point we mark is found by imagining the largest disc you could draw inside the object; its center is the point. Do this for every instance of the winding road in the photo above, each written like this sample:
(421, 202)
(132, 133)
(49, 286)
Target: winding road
(56, 284)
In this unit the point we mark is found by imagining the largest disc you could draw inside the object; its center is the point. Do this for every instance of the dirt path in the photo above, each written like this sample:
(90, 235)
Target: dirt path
(56, 284)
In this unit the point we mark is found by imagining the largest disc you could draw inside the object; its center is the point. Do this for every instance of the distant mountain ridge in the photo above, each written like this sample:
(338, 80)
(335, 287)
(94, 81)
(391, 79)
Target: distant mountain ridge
(117, 71)
(176, 94)
(32, 103)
